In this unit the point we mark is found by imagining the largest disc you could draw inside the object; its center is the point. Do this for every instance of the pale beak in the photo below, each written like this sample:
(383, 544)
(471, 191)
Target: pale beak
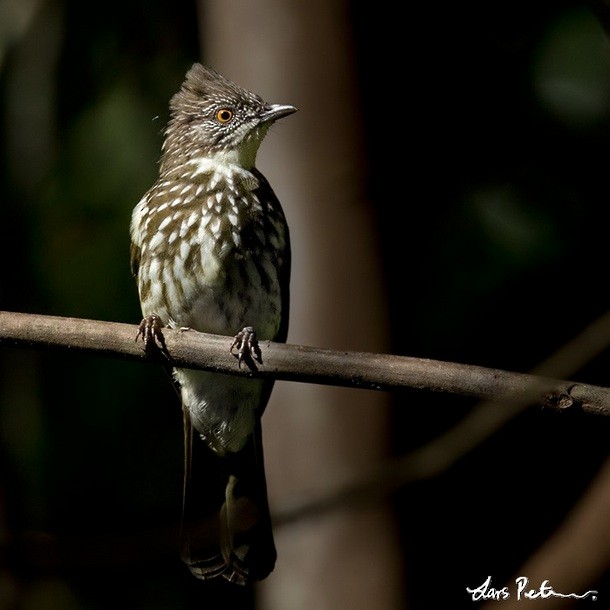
(273, 112)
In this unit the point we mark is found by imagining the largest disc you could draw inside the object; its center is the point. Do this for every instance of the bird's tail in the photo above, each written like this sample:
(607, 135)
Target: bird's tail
(226, 527)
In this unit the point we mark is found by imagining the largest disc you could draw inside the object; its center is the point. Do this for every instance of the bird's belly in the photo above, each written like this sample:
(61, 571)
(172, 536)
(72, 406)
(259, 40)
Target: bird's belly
(222, 408)
(217, 283)
(235, 298)
(219, 297)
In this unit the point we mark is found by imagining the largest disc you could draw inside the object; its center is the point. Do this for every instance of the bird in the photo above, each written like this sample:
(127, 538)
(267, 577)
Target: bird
(210, 251)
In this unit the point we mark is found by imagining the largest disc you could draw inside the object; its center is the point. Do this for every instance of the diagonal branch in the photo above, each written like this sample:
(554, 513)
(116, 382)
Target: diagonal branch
(192, 349)
(478, 425)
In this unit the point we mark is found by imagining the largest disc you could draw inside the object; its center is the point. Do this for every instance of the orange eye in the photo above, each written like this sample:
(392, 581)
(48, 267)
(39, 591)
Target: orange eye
(224, 115)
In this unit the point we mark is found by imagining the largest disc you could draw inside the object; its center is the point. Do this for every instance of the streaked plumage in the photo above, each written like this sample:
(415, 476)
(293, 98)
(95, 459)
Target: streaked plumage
(211, 252)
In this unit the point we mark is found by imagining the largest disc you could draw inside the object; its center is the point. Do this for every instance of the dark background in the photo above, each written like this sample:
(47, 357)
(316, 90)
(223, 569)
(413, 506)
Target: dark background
(487, 127)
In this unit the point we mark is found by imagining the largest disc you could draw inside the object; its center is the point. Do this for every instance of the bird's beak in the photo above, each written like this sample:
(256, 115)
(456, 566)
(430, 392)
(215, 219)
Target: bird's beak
(273, 112)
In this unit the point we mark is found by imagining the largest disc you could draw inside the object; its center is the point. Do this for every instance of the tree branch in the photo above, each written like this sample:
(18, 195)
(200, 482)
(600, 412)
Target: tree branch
(479, 424)
(196, 350)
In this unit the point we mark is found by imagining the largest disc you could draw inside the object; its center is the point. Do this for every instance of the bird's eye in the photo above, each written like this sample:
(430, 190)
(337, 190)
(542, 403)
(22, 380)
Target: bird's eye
(224, 115)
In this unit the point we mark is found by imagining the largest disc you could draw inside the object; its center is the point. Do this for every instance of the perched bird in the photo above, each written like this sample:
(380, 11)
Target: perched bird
(211, 252)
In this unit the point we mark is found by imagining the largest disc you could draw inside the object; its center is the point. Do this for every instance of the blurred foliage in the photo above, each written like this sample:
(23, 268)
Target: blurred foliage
(487, 128)
(92, 187)
(571, 70)
(91, 469)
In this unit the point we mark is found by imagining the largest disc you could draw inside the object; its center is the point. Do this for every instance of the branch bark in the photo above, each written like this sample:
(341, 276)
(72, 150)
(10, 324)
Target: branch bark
(196, 350)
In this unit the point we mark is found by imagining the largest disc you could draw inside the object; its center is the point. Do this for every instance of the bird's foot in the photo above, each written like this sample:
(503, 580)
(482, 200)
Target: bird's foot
(245, 345)
(152, 335)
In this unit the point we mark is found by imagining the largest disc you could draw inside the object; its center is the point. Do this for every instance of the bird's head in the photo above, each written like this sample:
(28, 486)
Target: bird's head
(213, 117)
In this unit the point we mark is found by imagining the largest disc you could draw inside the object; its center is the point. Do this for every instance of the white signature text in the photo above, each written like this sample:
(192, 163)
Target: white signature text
(522, 590)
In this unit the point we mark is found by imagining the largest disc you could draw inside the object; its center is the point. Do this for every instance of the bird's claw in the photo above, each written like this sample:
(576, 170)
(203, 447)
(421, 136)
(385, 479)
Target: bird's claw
(151, 333)
(246, 345)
